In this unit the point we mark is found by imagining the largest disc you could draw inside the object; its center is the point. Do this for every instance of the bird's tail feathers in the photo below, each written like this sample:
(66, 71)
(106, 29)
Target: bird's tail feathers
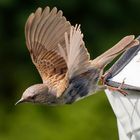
(105, 58)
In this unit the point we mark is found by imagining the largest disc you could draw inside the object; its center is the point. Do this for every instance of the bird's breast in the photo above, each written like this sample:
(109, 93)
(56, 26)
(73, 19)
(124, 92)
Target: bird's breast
(77, 89)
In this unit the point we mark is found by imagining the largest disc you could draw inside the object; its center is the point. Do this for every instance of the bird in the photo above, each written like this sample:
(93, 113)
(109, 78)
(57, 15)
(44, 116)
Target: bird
(58, 52)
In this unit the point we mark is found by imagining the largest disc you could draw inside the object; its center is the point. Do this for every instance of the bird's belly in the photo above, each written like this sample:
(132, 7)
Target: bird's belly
(75, 91)
(80, 86)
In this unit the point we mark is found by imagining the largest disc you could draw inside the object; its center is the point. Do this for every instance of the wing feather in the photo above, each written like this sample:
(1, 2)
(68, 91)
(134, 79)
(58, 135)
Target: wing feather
(77, 55)
(44, 30)
(57, 49)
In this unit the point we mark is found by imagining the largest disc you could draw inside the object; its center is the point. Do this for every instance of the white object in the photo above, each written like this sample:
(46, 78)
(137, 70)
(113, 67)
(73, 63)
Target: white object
(131, 72)
(127, 108)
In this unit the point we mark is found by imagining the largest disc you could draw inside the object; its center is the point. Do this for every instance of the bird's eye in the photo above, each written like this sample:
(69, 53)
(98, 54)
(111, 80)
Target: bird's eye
(32, 97)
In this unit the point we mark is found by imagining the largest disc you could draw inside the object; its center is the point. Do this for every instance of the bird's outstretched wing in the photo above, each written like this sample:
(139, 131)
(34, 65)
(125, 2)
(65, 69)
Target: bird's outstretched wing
(56, 48)
(75, 53)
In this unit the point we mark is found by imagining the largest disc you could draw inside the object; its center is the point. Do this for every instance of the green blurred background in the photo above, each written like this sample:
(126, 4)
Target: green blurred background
(103, 22)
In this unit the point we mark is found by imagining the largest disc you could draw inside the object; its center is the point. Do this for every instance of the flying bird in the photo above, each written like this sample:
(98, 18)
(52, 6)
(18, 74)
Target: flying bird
(58, 51)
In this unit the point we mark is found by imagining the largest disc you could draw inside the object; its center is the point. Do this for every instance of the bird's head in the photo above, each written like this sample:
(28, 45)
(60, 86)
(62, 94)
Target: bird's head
(36, 94)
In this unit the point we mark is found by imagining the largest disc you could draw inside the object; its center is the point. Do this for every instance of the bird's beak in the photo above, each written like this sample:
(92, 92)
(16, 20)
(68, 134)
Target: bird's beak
(20, 101)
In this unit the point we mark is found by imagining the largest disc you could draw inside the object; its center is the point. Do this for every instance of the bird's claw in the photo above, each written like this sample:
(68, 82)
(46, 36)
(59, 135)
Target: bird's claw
(103, 77)
(119, 89)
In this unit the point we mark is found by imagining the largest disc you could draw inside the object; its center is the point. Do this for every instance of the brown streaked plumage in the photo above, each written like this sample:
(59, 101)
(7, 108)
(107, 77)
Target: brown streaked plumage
(58, 51)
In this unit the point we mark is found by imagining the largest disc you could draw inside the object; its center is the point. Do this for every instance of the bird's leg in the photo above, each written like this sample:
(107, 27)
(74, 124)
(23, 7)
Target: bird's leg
(119, 89)
(103, 77)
